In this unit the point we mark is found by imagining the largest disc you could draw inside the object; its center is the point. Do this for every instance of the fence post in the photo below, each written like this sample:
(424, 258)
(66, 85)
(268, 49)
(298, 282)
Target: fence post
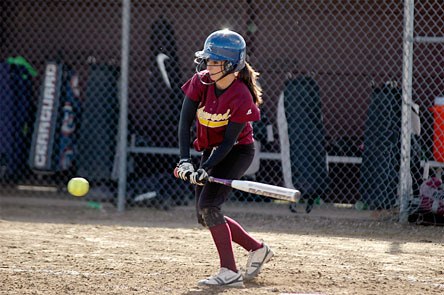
(123, 116)
(407, 67)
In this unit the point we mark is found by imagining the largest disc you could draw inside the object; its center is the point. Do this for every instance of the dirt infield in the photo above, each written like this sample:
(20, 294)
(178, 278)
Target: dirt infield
(50, 246)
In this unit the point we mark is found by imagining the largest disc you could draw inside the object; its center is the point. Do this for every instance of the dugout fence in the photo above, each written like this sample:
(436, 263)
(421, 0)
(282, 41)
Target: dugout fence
(349, 88)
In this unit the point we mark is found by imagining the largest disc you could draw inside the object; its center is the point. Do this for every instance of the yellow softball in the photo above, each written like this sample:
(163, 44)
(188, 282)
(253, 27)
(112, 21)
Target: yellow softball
(78, 186)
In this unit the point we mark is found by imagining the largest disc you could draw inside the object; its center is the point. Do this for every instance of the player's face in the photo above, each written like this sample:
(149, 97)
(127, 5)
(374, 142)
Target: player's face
(215, 68)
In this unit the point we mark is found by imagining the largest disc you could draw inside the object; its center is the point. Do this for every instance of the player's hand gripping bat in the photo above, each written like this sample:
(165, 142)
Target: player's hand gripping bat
(267, 190)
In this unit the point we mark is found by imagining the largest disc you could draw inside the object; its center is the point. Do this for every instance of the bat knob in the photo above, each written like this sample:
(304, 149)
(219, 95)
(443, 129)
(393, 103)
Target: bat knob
(176, 174)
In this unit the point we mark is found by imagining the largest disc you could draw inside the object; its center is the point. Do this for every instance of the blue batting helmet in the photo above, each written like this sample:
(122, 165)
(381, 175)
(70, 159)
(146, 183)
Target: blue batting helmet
(225, 45)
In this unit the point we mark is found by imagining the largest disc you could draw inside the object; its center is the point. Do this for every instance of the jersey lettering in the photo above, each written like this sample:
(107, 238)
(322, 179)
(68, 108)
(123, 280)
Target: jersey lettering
(213, 120)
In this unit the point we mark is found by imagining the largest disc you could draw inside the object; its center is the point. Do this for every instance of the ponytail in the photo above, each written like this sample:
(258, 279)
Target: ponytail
(249, 76)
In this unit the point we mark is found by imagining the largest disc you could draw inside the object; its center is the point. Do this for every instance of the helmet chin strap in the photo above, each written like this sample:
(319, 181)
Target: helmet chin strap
(199, 68)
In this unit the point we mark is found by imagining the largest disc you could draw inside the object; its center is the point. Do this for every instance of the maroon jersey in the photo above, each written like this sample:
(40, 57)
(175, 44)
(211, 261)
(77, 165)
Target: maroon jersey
(235, 104)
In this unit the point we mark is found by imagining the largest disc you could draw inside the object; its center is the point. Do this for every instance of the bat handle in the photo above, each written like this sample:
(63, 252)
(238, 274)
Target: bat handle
(219, 180)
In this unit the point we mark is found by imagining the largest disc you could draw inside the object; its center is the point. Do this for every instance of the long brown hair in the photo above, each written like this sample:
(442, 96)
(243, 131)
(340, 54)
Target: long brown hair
(249, 76)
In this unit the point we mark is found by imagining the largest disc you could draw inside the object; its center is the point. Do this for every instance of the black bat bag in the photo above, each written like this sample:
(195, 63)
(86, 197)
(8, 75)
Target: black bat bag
(53, 141)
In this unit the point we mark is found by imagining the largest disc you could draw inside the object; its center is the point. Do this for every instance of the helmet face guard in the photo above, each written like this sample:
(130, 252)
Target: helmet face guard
(224, 45)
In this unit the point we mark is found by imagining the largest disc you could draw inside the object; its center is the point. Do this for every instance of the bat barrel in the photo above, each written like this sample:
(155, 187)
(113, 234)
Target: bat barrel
(258, 188)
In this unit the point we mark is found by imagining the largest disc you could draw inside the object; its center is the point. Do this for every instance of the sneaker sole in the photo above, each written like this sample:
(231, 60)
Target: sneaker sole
(254, 274)
(237, 283)
(232, 285)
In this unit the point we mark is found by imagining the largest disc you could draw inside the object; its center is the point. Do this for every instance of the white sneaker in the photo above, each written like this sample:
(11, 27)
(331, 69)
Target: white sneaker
(256, 260)
(226, 278)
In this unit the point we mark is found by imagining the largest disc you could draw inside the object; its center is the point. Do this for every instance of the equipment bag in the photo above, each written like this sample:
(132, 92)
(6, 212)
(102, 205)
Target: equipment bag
(428, 208)
(53, 140)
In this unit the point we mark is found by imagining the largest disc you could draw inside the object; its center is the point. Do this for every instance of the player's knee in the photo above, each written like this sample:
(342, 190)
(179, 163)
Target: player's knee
(212, 216)
(200, 219)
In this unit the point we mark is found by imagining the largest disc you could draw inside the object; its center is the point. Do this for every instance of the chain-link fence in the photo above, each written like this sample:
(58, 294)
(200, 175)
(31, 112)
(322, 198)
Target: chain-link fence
(331, 72)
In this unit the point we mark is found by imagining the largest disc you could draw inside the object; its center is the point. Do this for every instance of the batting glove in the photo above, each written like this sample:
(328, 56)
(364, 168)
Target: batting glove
(199, 177)
(185, 169)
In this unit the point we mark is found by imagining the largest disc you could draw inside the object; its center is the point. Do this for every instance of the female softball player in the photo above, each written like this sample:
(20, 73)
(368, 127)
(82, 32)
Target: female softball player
(224, 99)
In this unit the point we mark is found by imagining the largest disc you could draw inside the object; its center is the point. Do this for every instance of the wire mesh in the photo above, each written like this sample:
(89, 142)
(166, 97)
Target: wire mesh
(331, 73)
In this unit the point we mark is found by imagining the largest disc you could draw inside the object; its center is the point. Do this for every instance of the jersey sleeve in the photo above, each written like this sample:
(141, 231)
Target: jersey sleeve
(243, 109)
(193, 88)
